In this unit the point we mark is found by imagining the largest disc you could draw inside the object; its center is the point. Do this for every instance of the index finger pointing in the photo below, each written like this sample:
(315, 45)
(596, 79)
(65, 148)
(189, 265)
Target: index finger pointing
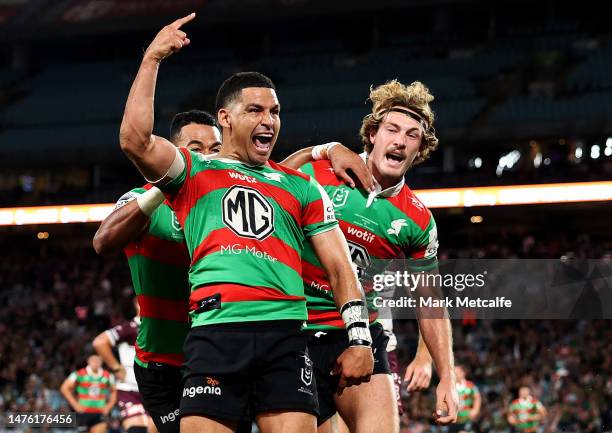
(178, 23)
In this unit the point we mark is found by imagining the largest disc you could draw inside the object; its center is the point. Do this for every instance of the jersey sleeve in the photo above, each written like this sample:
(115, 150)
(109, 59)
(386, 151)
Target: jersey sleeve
(121, 333)
(128, 197)
(111, 380)
(422, 250)
(73, 376)
(318, 212)
(308, 169)
(179, 181)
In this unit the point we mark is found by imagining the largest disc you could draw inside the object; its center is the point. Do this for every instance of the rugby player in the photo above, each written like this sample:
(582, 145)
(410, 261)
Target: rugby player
(387, 223)
(469, 403)
(246, 220)
(526, 413)
(157, 255)
(96, 395)
(132, 413)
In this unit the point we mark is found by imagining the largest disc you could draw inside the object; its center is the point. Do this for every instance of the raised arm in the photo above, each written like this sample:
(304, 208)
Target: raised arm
(153, 156)
(347, 165)
(355, 365)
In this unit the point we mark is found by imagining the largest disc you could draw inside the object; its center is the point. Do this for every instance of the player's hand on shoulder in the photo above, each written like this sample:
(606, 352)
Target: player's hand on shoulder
(170, 39)
(354, 366)
(349, 166)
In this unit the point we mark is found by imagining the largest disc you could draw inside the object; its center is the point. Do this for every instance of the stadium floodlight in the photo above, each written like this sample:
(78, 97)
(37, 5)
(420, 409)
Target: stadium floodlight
(432, 198)
(608, 151)
(477, 162)
(578, 152)
(507, 161)
(547, 161)
(537, 161)
(609, 142)
(595, 151)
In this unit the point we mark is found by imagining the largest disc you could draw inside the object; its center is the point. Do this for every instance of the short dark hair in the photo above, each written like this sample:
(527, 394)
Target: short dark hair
(198, 117)
(232, 86)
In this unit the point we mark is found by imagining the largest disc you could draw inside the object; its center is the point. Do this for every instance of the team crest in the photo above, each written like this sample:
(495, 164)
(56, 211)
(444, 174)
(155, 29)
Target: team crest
(306, 372)
(340, 196)
(248, 213)
(175, 223)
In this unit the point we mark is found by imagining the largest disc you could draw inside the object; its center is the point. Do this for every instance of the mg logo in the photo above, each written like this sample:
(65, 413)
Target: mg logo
(248, 213)
(359, 256)
(339, 197)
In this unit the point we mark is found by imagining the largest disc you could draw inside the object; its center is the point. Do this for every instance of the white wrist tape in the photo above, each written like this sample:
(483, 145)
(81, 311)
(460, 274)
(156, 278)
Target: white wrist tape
(150, 200)
(176, 168)
(321, 151)
(355, 316)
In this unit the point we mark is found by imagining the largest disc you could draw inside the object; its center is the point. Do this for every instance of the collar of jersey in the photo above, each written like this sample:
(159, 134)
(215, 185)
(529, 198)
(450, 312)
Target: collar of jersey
(232, 161)
(392, 191)
(137, 320)
(90, 372)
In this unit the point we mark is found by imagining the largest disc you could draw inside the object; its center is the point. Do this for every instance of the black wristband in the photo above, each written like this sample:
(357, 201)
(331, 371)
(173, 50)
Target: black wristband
(359, 342)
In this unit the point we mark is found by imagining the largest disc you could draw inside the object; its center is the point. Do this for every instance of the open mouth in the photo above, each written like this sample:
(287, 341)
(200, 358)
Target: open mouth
(262, 142)
(394, 159)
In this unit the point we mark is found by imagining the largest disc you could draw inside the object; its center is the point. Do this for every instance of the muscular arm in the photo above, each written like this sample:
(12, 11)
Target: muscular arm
(477, 405)
(332, 252)
(347, 165)
(67, 390)
(104, 348)
(356, 363)
(112, 400)
(298, 159)
(120, 228)
(151, 154)
(435, 327)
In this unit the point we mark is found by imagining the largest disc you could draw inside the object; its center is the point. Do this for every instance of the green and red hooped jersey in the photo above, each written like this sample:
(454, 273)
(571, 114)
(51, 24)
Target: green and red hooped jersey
(467, 392)
(526, 411)
(93, 390)
(245, 228)
(159, 264)
(398, 227)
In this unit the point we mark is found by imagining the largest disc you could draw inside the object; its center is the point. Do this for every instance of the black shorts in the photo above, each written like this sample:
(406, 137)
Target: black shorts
(160, 387)
(256, 367)
(86, 421)
(326, 348)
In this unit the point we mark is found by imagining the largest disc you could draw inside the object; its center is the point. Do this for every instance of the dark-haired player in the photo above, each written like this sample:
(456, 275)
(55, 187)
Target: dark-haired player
(154, 243)
(246, 220)
(96, 395)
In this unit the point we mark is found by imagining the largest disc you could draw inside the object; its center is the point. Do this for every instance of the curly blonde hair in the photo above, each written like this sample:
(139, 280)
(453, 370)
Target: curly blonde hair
(415, 97)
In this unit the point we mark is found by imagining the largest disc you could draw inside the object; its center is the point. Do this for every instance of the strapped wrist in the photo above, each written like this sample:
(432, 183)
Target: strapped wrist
(355, 316)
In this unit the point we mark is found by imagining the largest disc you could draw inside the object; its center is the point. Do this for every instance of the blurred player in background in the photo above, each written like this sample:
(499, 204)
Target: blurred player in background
(383, 222)
(132, 413)
(96, 395)
(470, 402)
(154, 243)
(526, 413)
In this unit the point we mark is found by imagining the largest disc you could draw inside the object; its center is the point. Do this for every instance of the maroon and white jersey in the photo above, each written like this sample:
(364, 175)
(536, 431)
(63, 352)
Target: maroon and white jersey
(124, 337)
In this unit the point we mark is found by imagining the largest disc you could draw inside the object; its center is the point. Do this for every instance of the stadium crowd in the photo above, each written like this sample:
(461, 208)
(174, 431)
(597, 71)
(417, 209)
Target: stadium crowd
(52, 308)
